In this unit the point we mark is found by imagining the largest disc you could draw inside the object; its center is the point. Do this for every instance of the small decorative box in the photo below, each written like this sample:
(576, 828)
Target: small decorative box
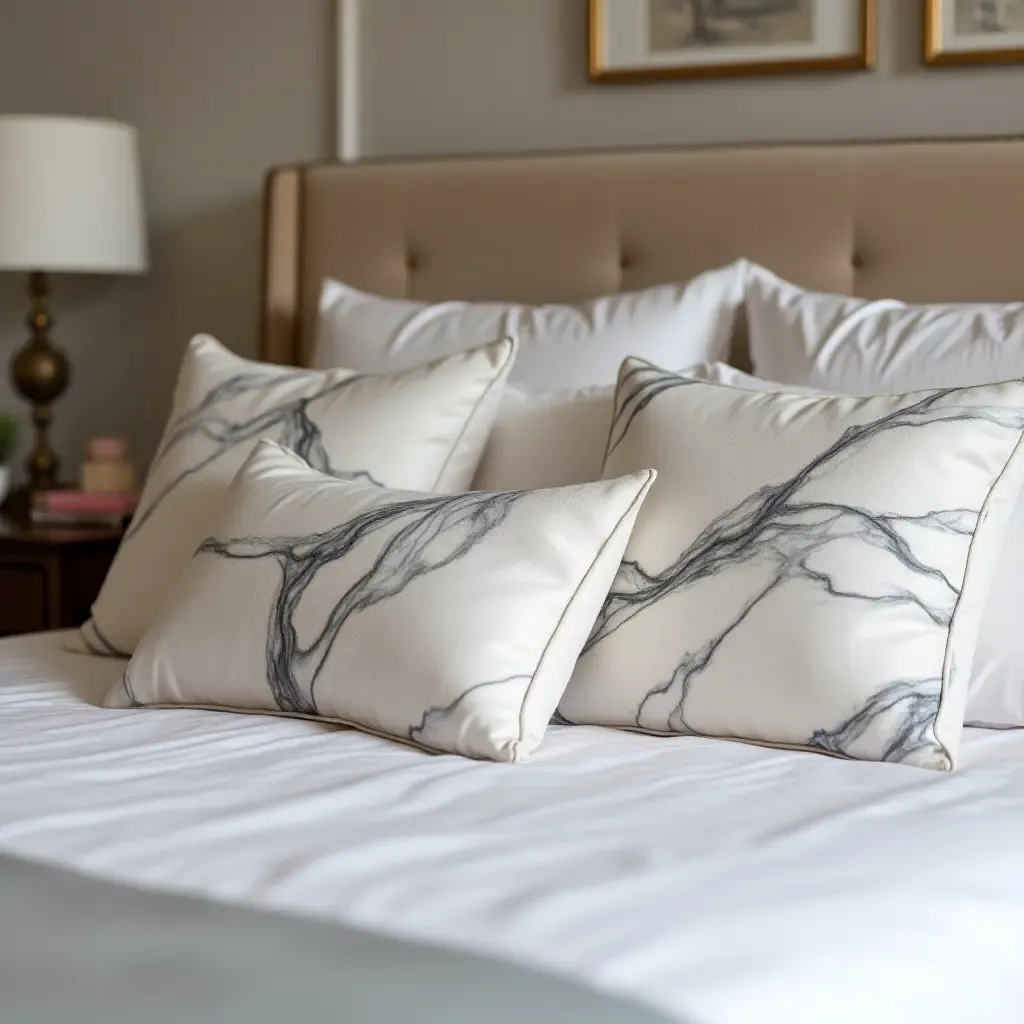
(106, 468)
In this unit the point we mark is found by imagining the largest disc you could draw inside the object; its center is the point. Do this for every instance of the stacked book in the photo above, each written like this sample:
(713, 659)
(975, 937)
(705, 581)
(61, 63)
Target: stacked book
(83, 508)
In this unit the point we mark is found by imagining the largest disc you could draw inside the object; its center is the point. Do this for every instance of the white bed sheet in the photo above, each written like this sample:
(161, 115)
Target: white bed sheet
(721, 882)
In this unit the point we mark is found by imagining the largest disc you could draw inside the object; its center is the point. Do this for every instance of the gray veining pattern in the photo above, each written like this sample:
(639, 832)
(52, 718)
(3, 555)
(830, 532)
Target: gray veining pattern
(414, 538)
(290, 423)
(436, 726)
(779, 535)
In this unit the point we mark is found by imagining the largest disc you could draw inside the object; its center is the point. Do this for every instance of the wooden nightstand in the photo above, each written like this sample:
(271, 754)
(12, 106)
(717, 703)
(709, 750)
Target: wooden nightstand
(50, 577)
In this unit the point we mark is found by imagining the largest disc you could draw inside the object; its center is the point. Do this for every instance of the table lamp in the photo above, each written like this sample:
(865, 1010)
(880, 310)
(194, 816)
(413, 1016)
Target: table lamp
(70, 202)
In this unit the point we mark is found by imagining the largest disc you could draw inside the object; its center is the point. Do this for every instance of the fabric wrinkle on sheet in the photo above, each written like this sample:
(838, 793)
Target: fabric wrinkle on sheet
(717, 881)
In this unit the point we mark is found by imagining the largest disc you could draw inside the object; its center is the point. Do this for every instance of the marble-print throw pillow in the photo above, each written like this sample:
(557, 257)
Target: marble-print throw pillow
(448, 621)
(808, 571)
(423, 429)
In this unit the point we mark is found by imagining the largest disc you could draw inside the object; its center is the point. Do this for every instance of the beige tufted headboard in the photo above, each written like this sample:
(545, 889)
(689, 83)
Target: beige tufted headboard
(938, 221)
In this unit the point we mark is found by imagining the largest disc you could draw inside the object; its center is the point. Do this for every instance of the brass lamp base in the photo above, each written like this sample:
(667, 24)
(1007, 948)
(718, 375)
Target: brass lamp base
(40, 373)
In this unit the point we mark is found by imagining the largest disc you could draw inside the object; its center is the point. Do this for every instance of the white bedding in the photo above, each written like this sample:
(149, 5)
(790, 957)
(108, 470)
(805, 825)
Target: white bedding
(721, 882)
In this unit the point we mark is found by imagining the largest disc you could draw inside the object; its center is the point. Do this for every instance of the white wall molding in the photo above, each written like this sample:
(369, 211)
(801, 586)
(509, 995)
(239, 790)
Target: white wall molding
(348, 80)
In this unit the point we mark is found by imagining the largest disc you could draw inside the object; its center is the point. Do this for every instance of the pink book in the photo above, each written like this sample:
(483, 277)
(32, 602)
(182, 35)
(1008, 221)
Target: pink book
(84, 502)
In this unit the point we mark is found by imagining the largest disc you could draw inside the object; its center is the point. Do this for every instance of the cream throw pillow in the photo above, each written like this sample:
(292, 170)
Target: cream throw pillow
(449, 621)
(807, 571)
(425, 429)
(558, 437)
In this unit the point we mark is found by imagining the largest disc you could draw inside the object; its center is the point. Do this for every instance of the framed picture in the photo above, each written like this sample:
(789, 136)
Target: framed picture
(973, 31)
(639, 40)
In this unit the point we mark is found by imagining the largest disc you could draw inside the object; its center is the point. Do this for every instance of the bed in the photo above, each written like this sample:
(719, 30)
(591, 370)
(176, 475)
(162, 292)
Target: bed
(696, 880)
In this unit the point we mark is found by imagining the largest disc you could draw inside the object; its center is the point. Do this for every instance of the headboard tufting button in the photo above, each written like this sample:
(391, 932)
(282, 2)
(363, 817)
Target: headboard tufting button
(626, 260)
(857, 261)
(412, 262)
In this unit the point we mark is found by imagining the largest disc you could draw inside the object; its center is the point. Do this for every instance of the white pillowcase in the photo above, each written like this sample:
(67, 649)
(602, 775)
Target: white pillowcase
(807, 571)
(449, 621)
(869, 347)
(423, 429)
(852, 346)
(558, 438)
(561, 347)
(547, 440)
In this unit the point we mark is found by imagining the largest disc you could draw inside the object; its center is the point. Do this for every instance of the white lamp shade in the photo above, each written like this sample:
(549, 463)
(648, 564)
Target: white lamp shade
(70, 196)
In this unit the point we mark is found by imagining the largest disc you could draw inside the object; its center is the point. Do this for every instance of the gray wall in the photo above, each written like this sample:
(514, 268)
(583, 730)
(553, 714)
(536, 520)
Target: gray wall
(219, 90)
(464, 75)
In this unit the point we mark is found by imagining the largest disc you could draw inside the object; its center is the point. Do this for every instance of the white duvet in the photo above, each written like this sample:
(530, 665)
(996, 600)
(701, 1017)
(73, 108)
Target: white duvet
(723, 883)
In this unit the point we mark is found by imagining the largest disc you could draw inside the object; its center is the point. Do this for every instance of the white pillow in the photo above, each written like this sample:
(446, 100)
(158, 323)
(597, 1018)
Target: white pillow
(868, 347)
(851, 346)
(423, 429)
(561, 347)
(547, 440)
(449, 621)
(808, 571)
(558, 438)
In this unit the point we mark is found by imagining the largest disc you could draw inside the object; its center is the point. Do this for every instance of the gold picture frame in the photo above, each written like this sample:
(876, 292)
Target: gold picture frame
(959, 33)
(859, 57)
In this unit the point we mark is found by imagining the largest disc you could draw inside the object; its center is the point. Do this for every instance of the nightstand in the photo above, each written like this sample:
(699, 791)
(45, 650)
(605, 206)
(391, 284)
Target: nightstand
(50, 577)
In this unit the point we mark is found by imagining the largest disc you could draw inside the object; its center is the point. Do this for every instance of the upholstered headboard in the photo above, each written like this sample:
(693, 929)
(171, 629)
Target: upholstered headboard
(917, 221)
